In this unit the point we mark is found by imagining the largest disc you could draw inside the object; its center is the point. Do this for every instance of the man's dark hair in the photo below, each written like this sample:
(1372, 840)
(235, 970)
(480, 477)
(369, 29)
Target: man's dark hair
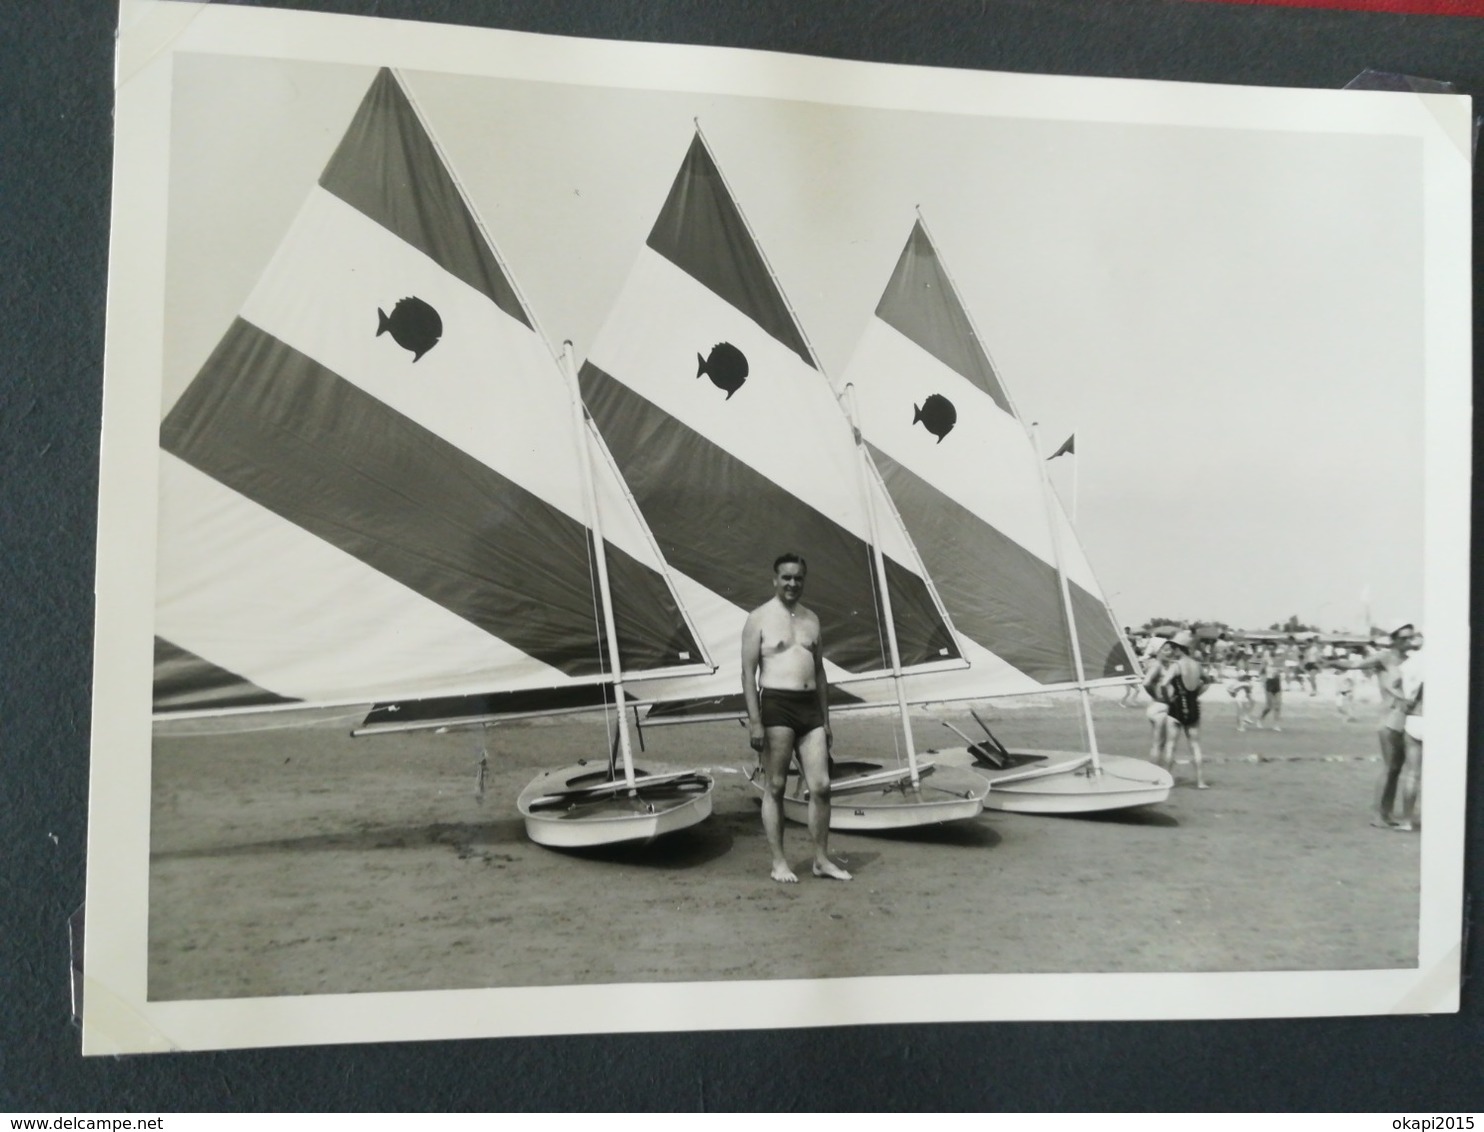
(790, 557)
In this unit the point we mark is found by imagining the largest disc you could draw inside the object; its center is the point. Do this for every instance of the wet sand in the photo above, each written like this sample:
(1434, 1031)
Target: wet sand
(288, 858)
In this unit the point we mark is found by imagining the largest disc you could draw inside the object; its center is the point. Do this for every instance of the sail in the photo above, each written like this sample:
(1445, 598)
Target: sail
(735, 448)
(371, 489)
(967, 482)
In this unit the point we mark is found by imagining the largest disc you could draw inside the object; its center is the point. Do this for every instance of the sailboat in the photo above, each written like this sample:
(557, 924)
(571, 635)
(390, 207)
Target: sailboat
(379, 488)
(965, 475)
(578, 806)
(730, 437)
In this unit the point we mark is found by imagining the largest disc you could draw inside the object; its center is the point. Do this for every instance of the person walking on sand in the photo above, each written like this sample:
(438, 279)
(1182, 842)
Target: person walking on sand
(1386, 663)
(1183, 683)
(1293, 672)
(788, 711)
(1313, 657)
(1272, 689)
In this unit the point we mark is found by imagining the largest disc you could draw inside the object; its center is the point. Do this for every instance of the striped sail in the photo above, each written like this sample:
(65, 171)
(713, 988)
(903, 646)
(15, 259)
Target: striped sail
(736, 450)
(371, 490)
(967, 482)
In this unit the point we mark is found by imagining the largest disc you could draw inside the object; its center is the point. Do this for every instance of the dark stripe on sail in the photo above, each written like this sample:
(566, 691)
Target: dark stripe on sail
(1097, 635)
(289, 434)
(387, 167)
(652, 633)
(921, 304)
(186, 682)
(701, 231)
(704, 707)
(536, 701)
(1119, 662)
(998, 593)
(722, 523)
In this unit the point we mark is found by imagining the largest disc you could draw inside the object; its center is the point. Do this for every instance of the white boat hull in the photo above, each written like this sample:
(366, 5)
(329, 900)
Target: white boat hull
(564, 809)
(1063, 782)
(882, 798)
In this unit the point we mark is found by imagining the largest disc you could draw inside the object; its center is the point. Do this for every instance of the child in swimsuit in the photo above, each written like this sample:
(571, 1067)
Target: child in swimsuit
(1240, 689)
(1345, 695)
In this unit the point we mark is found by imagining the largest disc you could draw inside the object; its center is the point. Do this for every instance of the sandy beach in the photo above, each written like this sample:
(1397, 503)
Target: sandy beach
(288, 858)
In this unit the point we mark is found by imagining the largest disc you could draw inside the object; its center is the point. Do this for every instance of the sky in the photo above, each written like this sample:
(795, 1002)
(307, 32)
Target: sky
(1229, 319)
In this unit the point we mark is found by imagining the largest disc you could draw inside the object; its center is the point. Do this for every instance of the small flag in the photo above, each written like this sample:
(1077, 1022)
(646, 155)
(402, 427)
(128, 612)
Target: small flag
(1068, 448)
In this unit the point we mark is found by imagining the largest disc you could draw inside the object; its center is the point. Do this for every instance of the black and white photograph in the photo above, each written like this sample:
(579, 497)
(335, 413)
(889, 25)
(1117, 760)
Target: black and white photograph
(608, 536)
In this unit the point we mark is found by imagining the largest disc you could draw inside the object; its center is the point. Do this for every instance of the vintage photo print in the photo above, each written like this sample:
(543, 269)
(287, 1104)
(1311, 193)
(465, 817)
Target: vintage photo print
(604, 536)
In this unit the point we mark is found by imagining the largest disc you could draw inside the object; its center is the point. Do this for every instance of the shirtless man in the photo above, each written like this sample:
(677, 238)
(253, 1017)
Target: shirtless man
(1272, 689)
(1313, 661)
(788, 711)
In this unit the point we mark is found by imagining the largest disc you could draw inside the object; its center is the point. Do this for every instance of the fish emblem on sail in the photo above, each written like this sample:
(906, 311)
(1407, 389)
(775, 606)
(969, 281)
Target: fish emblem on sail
(726, 367)
(413, 324)
(937, 415)
(329, 532)
(726, 493)
(984, 532)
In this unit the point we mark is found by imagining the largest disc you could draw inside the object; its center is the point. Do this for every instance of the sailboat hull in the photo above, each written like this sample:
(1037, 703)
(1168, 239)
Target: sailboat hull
(1063, 782)
(870, 797)
(577, 807)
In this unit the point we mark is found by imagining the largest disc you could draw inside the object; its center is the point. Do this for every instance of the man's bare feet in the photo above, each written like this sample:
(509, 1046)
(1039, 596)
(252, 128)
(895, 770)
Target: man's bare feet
(831, 870)
(1203, 786)
(783, 874)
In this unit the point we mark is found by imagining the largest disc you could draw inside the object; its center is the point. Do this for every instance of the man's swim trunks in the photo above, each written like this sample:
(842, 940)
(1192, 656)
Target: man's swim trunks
(797, 710)
(1273, 684)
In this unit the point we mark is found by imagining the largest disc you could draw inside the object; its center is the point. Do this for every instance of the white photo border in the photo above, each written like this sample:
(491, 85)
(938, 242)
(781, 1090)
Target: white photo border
(119, 1018)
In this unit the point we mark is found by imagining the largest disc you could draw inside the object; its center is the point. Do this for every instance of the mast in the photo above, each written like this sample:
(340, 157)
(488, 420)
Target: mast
(880, 569)
(1066, 598)
(601, 557)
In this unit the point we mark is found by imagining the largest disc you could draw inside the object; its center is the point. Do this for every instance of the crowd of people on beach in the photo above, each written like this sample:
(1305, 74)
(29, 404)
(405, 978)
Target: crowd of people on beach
(1179, 667)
